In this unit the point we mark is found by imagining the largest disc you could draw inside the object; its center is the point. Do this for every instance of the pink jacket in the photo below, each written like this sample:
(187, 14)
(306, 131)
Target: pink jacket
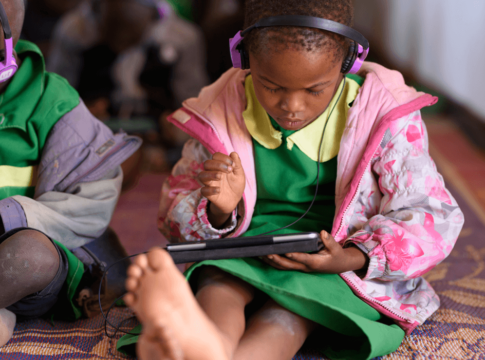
(390, 199)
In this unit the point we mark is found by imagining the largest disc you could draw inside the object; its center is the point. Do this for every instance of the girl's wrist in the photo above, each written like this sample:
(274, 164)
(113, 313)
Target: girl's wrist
(217, 218)
(357, 260)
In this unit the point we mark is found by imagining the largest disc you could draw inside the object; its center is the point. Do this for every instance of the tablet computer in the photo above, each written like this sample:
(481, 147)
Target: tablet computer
(251, 246)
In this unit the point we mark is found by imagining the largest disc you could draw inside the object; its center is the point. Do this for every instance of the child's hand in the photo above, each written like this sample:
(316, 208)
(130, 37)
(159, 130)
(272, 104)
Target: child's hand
(333, 259)
(224, 182)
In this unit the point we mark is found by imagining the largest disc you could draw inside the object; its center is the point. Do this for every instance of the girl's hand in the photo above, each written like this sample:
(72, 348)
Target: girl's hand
(224, 181)
(333, 259)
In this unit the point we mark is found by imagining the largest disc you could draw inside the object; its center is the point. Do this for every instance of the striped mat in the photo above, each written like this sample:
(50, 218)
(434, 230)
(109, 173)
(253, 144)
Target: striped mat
(84, 339)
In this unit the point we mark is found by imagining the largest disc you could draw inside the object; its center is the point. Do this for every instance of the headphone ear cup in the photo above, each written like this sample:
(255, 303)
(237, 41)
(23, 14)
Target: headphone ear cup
(350, 58)
(244, 57)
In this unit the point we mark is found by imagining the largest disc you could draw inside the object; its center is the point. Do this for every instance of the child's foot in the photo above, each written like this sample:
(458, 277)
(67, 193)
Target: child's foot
(158, 342)
(7, 323)
(174, 325)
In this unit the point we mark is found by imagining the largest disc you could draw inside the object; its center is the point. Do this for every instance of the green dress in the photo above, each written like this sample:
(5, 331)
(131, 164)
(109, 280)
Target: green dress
(286, 181)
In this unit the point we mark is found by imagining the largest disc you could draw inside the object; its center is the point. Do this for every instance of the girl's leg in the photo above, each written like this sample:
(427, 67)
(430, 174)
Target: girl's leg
(29, 261)
(223, 298)
(273, 333)
(174, 325)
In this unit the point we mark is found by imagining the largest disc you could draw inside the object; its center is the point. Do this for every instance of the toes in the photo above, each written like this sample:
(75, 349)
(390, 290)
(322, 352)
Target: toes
(129, 299)
(131, 284)
(158, 258)
(134, 271)
(141, 261)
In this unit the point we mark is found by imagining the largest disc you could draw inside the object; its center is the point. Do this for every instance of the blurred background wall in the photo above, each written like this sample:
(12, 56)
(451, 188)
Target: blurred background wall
(437, 42)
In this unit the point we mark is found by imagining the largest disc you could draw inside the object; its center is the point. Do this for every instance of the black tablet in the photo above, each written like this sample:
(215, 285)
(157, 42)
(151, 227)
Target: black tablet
(230, 248)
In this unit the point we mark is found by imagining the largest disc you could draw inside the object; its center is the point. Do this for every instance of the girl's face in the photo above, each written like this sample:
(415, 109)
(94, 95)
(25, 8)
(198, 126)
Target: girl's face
(294, 86)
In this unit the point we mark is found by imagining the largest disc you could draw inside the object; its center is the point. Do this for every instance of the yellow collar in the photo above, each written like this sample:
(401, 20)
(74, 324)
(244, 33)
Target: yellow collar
(308, 138)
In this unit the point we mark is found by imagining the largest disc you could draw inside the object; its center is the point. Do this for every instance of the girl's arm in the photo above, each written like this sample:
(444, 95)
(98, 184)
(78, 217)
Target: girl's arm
(182, 214)
(418, 221)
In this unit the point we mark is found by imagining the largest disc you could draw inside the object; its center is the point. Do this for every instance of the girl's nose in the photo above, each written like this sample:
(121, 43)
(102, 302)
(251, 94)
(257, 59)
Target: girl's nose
(293, 104)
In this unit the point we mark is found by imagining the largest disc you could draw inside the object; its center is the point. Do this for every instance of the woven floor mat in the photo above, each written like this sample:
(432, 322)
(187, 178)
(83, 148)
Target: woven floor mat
(455, 331)
(84, 339)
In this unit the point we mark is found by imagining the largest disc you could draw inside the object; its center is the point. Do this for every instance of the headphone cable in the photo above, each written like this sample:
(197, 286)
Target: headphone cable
(318, 167)
(117, 328)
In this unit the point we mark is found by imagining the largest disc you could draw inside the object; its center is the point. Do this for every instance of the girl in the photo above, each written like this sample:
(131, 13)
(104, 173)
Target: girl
(381, 207)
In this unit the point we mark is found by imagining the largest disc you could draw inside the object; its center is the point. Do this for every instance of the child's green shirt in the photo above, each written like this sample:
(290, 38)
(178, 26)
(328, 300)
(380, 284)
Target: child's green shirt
(31, 105)
(285, 164)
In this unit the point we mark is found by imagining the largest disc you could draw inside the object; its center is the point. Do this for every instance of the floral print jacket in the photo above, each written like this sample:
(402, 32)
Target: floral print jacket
(390, 199)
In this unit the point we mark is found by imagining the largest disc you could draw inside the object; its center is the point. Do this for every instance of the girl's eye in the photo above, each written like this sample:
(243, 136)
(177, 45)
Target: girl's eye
(315, 93)
(270, 90)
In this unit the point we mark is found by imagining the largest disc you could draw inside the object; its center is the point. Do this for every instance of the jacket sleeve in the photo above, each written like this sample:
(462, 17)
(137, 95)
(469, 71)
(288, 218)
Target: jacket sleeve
(77, 216)
(182, 214)
(78, 182)
(418, 220)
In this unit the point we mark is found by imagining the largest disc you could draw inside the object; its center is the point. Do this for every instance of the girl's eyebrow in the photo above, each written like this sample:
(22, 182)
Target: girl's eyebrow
(310, 87)
(268, 80)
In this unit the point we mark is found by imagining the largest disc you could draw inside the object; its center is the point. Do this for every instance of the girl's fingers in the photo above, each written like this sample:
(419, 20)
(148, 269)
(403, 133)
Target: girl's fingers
(207, 177)
(309, 260)
(219, 162)
(222, 158)
(238, 169)
(287, 263)
(215, 165)
(210, 191)
(328, 240)
(271, 263)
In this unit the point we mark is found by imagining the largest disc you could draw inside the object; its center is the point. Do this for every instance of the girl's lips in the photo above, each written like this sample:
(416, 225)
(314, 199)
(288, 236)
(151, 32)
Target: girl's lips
(291, 124)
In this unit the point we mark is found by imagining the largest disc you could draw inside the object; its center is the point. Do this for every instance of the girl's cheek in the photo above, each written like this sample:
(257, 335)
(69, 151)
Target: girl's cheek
(271, 104)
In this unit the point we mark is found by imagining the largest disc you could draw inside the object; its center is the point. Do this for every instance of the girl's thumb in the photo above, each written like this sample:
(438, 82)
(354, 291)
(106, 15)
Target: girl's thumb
(325, 236)
(238, 169)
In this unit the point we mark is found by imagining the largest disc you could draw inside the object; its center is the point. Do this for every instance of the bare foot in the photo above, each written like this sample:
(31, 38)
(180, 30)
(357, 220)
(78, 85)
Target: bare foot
(174, 325)
(7, 323)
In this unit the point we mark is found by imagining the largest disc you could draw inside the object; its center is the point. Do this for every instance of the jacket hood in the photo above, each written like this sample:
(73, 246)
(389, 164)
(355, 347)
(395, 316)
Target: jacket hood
(390, 80)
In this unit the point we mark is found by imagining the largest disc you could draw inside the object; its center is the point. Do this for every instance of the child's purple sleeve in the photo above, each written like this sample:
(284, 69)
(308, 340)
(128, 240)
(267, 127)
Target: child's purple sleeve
(11, 214)
(79, 181)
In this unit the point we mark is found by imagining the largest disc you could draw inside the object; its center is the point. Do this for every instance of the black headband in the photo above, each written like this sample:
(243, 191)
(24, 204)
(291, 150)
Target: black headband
(7, 33)
(312, 22)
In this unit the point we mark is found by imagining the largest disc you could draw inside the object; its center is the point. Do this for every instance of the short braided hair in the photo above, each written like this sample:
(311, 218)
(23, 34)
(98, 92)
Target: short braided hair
(286, 37)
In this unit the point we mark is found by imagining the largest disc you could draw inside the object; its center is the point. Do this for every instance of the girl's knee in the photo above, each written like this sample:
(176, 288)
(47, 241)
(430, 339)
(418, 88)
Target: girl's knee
(31, 248)
(212, 278)
(30, 237)
(272, 314)
(32, 261)
(211, 275)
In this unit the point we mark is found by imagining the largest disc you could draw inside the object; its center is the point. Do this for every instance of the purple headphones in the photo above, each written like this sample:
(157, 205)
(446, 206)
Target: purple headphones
(359, 47)
(8, 67)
